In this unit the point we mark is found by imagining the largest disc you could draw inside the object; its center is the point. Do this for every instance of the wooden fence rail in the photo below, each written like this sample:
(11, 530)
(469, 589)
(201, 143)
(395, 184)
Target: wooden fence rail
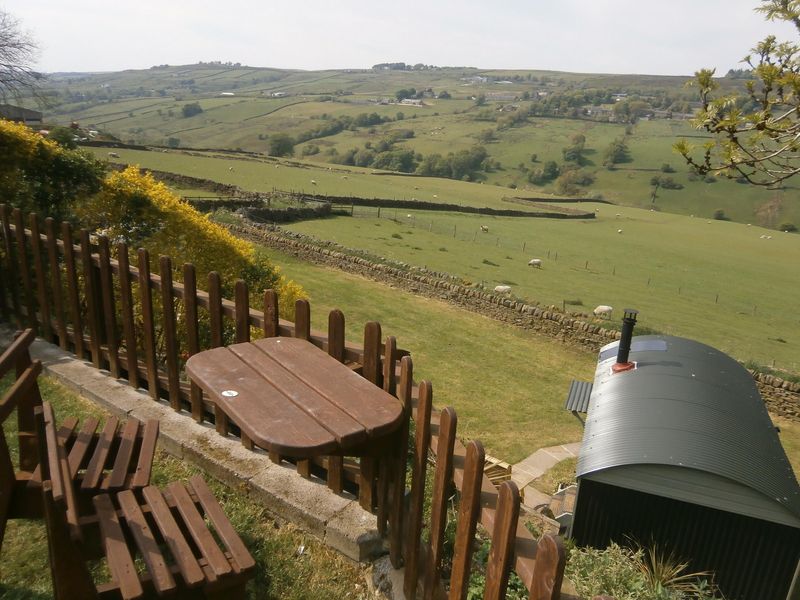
(142, 326)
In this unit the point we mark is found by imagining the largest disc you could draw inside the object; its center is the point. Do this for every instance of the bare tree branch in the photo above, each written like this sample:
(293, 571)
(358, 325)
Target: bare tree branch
(18, 52)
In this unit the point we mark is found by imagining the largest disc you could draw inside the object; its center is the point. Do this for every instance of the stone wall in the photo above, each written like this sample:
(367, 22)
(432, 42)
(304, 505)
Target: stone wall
(781, 396)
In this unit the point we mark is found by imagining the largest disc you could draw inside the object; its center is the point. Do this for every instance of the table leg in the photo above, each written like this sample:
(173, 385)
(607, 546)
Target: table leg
(336, 474)
(366, 483)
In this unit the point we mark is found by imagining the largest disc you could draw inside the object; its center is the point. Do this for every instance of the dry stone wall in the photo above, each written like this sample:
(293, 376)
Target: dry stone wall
(781, 396)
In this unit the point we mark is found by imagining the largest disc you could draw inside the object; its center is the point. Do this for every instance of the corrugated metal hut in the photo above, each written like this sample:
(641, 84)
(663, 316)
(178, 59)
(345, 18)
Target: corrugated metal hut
(679, 450)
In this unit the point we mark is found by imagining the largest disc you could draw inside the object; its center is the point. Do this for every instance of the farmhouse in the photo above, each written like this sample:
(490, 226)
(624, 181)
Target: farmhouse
(679, 451)
(412, 102)
(32, 118)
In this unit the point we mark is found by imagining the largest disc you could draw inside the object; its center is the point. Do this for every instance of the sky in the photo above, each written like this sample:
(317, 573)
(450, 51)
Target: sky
(675, 37)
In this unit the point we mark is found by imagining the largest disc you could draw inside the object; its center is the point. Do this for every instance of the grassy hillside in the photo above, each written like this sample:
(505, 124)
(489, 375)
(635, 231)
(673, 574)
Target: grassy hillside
(145, 107)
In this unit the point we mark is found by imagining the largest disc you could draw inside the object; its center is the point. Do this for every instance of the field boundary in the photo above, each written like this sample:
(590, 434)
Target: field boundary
(781, 396)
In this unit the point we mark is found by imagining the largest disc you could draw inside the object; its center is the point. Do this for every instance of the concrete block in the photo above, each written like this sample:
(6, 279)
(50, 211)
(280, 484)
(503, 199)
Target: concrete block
(354, 533)
(308, 503)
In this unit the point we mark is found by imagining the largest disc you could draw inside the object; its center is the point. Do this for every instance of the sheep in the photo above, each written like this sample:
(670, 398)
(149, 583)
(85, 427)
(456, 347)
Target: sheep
(603, 311)
(502, 289)
(485, 228)
(344, 176)
(619, 230)
(313, 182)
(230, 168)
(408, 216)
(113, 155)
(435, 196)
(618, 215)
(535, 262)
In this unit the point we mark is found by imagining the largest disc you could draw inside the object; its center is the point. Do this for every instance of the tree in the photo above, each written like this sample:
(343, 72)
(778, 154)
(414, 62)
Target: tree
(281, 144)
(756, 135)
(191, 109)
(617, 152)
(17, 53)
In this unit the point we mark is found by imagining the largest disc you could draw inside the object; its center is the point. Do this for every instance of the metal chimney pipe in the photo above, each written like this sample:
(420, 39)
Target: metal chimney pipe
(628, 323)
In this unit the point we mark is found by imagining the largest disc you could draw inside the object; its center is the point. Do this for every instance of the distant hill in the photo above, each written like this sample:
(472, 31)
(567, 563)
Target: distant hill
(522, 120)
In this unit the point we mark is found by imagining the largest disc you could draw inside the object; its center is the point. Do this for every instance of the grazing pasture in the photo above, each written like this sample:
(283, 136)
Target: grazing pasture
(715, 281)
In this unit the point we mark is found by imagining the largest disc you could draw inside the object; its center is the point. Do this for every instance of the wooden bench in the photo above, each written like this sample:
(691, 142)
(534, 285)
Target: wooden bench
(167, 531)
(114, 458)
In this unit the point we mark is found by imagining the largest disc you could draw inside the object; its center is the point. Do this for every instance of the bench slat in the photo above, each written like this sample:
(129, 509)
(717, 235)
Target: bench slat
(191, 571)
(146, 542)
(94, 471)
(82, 443)
(65, 431)
(118, 556)
(147, 451)
(222, 525)
(197, 528)
(127, 442)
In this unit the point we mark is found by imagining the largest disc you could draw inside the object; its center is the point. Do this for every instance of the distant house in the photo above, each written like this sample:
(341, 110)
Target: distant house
(227, 94)
(32, 118)
(278, 94)
(412, 102)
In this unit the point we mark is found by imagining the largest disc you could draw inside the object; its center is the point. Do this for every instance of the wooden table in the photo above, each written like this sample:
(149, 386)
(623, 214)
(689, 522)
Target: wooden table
(292, 399)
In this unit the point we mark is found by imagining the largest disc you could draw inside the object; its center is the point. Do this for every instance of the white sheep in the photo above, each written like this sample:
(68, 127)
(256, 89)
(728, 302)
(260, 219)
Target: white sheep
(485, 228)
(435, 196)
(230, 168)
(408, 216)
(535, 262)
(113, 155)
(502, 289)
(344, 176)
(313, 182)
(603, 311)
(619, 230)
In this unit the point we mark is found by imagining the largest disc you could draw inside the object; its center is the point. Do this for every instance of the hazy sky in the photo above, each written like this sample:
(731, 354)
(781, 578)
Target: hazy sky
(674, 37)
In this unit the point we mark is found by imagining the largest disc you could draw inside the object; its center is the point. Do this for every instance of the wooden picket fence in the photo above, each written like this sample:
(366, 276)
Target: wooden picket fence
(142, 327)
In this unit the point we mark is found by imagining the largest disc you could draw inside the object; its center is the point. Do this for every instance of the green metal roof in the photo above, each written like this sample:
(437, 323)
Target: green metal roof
(695, 415)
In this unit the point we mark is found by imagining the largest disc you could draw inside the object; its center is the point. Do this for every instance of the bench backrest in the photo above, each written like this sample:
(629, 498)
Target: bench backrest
(22, 395)
(17, 355)
(71, 579)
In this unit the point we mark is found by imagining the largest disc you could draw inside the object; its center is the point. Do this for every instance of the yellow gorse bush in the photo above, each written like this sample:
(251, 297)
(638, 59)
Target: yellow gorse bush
(135, 208)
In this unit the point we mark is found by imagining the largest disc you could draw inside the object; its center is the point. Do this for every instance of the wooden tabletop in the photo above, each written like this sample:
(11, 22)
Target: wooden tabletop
(290, 397)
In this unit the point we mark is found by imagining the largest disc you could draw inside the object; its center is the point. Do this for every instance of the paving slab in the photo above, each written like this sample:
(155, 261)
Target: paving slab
(339, 521)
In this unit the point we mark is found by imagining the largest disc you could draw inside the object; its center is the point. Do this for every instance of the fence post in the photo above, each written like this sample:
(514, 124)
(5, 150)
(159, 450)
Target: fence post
(192, 335)
(271, 318)
(146, 300)
(11, 271)
(336, 334)
(215, 314)
(415, 515)
(399, 483)
(109, 308)
(302, 319)
(24, 269)
(41, 278)
(170, 338)
(548, 572)
(498, 566)
(242, 311)
(126, 306)
(91, 297)
(55, 281)
(468, 515)
(441, 484)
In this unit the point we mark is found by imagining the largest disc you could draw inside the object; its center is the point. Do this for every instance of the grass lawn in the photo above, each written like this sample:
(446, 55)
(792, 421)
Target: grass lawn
(281, 573)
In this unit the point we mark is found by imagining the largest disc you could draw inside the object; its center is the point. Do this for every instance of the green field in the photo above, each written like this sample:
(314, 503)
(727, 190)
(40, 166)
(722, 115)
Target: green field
(715, 281)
